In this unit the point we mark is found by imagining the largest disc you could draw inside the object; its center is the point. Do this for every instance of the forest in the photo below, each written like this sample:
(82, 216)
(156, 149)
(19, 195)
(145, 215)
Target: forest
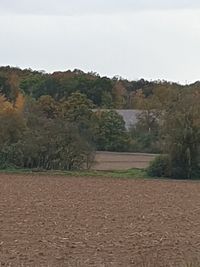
(47, 121)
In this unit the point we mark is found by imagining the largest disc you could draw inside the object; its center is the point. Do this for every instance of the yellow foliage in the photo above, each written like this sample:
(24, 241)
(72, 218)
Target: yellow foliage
(8, 107)
(19, 103)
(5, 105)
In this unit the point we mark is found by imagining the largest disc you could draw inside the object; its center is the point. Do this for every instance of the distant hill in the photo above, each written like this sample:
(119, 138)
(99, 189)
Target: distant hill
(104, 92)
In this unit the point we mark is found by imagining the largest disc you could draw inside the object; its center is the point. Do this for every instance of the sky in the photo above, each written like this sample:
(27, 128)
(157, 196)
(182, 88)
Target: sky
(150, 39)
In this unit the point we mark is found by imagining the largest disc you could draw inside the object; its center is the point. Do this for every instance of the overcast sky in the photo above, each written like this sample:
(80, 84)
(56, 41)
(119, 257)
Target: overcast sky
(152, 39)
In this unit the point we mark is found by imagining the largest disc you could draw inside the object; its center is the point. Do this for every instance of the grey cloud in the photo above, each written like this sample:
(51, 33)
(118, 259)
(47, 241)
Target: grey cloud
(83, 7)
(160, 44)
(153, 45)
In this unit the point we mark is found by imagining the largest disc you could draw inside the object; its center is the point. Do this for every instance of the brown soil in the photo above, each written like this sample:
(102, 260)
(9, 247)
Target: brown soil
(121, 161)
(68, 221)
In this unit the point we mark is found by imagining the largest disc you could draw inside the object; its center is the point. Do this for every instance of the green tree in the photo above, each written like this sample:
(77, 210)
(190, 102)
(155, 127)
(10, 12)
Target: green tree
(4, 86)
(34, 136)
(181, 134)
(145, 134)
(111, 133)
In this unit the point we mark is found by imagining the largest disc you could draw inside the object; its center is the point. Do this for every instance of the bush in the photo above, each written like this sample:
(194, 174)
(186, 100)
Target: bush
(180, 170)
(163, 166)
(56, 145)
(160, 167)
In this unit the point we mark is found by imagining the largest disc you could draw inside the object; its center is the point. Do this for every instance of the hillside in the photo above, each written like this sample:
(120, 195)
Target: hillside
(104, 92)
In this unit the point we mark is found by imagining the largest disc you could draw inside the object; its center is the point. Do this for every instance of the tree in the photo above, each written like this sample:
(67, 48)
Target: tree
(12, 121)
(48, 106)
(145, 132)
(41, 141)
(77, 106)
(181, 134)
(5, 105)
(31, 84)
(77, 110)
(4, 86)
(111, 133)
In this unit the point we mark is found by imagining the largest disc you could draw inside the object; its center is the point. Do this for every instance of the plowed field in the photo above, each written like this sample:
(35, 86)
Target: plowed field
(121, 161)
(71, 221)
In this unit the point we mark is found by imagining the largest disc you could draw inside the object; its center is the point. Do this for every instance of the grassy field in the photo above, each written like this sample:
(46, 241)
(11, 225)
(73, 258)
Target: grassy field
(132, 173)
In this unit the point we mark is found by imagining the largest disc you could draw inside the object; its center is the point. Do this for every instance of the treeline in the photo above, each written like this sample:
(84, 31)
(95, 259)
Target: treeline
(47, 121)
(116, 93)
(48, 134)
(171, 121)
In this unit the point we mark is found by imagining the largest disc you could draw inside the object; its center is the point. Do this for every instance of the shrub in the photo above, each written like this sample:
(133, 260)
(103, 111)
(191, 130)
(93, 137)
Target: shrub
(160, 167)
(56, 145)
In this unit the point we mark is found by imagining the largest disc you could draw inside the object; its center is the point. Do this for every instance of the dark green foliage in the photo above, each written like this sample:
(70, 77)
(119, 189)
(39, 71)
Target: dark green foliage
(12, 126)
(4, 86)
(98, 90)
(111, 133)
(160, 167)
(58, 129)
(46, 137)
(145, 133)
(77, 111)
(164, 166)
(56, 145)
(102, 91)
(145, 142)
(181, 134)
(32, 83)
(39, 84)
